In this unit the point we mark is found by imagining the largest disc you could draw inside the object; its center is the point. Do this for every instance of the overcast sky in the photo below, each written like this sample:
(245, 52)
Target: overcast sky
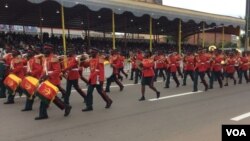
(234, 8)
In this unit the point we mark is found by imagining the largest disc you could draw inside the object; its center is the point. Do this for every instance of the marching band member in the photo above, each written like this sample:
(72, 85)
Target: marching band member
(230, 68)
(200, 70)
(51, 72)
(16, 68)
(147, 75)
(159, 65)
(173, 60)
(188, 67)
(96, 80)
(34, 69)
(71, 72)
(139, 58)
(114, 61)
(244, 66)
(216, 68)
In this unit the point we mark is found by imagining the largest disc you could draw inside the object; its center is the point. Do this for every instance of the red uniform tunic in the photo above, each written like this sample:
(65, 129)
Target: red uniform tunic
(96, 66)
(53, 68)
(72, 68)
(189, 63)
(34, 67)
(148, 70)
(139, 56)
(216, 65)
(159, 60)
(208, 57)
(121, 61)
(201, 63)
(16, 67)
(244, 63)
(178, 59)
(173, 63)
(230, 68)
(115, 62)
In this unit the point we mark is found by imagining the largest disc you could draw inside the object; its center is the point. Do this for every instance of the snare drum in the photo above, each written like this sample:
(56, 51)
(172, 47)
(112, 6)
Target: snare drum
(47, 91)
(12, 82)
(29, 85)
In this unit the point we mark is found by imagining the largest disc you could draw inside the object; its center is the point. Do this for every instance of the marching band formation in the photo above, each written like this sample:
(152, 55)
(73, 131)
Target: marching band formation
(38, 73)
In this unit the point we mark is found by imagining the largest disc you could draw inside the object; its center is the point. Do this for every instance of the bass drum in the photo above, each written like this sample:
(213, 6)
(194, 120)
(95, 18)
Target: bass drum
(108, 70)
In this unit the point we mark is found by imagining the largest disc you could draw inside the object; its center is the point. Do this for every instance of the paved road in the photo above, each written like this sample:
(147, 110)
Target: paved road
(178, 116)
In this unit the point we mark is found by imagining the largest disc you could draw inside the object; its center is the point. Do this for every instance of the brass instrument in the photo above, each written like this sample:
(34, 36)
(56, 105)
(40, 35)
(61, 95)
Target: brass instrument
(238, 50)
(212, 48)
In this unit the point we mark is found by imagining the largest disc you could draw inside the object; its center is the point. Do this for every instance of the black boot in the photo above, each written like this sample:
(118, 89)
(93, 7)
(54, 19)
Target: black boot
(87, 109)
(67, 110)
(109, 103)
(158, 94)
(142, 98)
(10, 99)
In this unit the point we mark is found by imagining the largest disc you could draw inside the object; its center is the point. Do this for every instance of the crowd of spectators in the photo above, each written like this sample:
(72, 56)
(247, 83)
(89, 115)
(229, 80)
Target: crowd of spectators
(24, 41)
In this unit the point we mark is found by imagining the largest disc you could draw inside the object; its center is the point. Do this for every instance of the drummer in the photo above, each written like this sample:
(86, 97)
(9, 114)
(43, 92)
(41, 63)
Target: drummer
(16, 68)
(34, 69)
(51, 72)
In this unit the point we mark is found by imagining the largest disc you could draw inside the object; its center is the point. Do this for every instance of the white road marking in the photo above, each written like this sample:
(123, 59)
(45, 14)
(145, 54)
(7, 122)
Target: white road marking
(241, 117)
(125, 85)
(173, 96)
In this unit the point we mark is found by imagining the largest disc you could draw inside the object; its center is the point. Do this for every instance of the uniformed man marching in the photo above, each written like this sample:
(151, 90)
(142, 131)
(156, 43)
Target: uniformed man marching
(71, 73)
(51, 72)
(96, 80)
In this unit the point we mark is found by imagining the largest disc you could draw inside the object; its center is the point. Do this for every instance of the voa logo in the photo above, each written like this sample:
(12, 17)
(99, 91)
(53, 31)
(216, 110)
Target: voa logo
(236, 132)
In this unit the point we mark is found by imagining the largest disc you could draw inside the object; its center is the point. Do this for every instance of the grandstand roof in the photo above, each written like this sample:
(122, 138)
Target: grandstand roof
(131, 16)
